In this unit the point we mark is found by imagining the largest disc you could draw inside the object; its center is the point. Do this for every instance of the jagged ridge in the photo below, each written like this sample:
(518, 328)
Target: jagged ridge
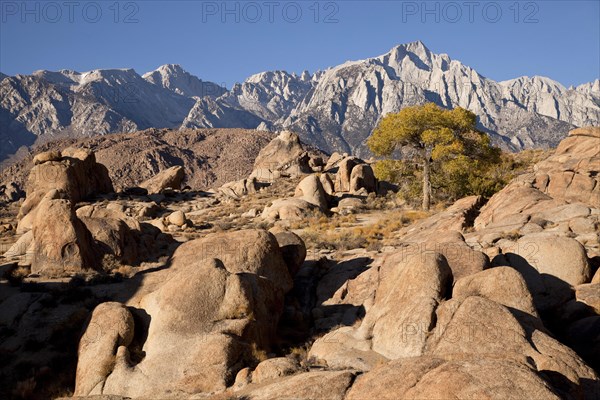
(334, 109)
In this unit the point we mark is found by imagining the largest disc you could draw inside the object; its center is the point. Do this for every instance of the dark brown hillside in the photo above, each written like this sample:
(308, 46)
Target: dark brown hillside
(211, 157)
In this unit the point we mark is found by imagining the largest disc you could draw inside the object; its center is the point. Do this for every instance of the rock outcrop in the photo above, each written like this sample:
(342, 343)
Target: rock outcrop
(551, 266)
(10, 192)
(344, 173)
(274, 368)
(227, 289)
(503, 285)
(362, 177)
(396, 325)
(111, 326)
(169, 178)
(240, 188)
(560, 197)
(283, 156)
(124, 238)
(292, 209)
(326, 385)
(74, 172)
(62, 246)
(435, 378)
(311, 190)
(353, 175)
(59, 243)
(59, 238)
(316, 192)
(292, 248)
(571, 172)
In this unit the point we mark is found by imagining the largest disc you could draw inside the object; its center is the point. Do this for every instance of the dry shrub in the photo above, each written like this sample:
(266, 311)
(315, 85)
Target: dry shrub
(343, 233)
(258, 355)
(299, 353)
(16, 275)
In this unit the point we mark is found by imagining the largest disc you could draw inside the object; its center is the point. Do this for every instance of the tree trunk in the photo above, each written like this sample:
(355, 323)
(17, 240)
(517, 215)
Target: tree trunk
(426, 183)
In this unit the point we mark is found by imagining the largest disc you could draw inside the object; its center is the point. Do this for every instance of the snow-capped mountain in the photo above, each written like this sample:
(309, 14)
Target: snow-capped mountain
(72, 103)
(349, 100)
(176, 79)
(335, 109)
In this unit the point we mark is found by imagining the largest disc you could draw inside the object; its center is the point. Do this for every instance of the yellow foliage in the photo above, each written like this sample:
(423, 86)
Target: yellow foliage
(460, 159)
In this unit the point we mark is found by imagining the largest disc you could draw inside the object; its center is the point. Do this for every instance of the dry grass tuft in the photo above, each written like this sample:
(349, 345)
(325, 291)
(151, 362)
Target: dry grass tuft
(347, 233)
(258, 355)
(126, 271)
(513, 235)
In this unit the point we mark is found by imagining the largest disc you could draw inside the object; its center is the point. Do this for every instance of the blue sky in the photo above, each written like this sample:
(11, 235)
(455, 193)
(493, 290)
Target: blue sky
(227, 41)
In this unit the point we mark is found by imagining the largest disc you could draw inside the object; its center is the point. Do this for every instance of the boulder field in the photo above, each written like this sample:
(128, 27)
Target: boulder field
(496, 299)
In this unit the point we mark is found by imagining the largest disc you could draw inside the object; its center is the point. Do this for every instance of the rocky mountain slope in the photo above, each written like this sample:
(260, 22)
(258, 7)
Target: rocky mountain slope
(178, 294)
(334, 109)
(350, 99)
(210, 157)
(83, 104)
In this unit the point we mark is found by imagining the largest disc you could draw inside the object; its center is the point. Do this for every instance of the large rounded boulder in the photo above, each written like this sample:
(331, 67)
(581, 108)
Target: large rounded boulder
(212, 311)
(551, 265)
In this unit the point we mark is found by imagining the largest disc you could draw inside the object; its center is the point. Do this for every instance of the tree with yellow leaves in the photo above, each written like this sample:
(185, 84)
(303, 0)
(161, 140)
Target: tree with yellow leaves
(437, 137)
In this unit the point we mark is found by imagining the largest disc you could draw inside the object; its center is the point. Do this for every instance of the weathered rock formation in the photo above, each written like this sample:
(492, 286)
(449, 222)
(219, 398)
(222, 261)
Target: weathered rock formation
(62, 246)
(74, 172)
(170, 178)
(311, 190)
(488, 300)
(283, 156)
(217, 303)
(61, 240)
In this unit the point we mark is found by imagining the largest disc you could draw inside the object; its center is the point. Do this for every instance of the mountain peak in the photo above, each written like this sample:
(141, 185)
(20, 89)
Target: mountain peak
(166, 70)
(174, 78)
(416, 47)
(267, 76)
(171, 68)
(69, 72)
(305, 76)
(418, 54)
(62, 77)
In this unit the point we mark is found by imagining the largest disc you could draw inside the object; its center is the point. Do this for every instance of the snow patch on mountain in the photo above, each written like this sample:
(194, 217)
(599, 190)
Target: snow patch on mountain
(335, 109)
